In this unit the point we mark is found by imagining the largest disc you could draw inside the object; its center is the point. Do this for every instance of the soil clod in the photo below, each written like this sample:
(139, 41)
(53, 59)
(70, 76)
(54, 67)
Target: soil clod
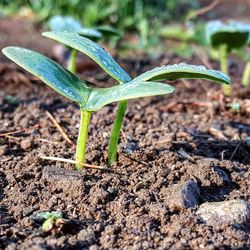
(181, 196)
(67, 181)
(225, 212)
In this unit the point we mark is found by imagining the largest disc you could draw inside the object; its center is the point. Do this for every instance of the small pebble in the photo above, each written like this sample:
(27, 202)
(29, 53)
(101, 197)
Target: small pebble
(182, 196)
(25, 144)
(86, 235)
(3, 150)
(225, 212)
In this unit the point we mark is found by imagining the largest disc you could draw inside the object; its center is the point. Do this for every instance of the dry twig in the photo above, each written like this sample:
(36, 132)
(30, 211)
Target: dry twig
(7, 134)
(235, 150)
(57, 125)
(203, 10)
(51, 158)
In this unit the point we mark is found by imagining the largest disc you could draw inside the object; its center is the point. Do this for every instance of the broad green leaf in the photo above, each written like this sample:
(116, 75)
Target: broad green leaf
(100, 97)
(93, 50)
(64, 23)
(107, 31)
(90, 33)
(46, 215)
(67, 23)
(43, 215)
(234, 34)
(182, 70)
(57, 77)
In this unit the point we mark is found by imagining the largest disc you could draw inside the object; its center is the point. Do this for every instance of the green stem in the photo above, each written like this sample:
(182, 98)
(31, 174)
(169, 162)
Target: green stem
(224, 67)
(82, 138)
(72, 61)
(115, 133)
(246, 75)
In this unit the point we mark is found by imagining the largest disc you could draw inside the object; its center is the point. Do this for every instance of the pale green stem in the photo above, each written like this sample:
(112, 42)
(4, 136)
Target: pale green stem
(82, 138)
(224, 67)
(115, 133)
(246, 75)
(72, 61)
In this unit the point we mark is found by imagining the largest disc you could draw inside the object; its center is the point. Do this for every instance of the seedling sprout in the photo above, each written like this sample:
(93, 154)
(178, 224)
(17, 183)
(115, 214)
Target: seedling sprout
(49, 219)
(226, 37)
(67, 23)
(92, 99)
(246, 72)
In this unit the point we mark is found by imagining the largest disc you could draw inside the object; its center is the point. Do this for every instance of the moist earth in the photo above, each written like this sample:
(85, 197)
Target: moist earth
(168, 142)
(177, 153)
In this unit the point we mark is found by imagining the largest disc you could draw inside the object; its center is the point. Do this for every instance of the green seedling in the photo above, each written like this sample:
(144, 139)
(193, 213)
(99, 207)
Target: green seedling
(92, 99)
(67, 23)
(246, 72)
(49, 219)
(226, 37)
(101, 57)
(246, 75)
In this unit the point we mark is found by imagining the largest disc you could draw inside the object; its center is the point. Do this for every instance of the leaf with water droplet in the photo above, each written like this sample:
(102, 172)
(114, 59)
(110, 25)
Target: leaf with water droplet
(57, 77)
(100, 97)
(183, 70)
(93, 50)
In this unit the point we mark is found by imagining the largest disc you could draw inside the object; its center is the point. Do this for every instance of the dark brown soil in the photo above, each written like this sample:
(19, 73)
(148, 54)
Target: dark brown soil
(167, 140)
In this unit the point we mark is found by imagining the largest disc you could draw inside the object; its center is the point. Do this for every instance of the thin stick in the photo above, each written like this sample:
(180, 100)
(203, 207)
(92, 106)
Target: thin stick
(138, 161)
(47, 141)
(235, 150)
(203, 10)
(19, 131)
(59, 128)
(51, 158)
(204, 58)
(156, 130)
(124, 136)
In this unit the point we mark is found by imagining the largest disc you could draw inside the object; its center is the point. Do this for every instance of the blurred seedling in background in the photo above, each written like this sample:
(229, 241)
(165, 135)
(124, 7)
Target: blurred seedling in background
(190, 38)
(68, 23)
(92, 99)
(188, 32)
(246, 73)
(50, 220)
(226, 37)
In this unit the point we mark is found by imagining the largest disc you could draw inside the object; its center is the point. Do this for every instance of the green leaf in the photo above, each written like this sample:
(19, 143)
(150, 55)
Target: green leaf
(64, 23)
(57, 214)
(46, 215)
(90, 33)
(182, 70)
(107, 31)
(57, 77)
(48, 224)
(233, 34)
(93, 50)
(100, 97)
(43, 215)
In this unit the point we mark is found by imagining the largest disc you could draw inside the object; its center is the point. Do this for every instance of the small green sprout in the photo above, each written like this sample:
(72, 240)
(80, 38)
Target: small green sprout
(50, 219)
(67, 23)
(92, 99)
(226, 37)
(246, 75)
(246, 72)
